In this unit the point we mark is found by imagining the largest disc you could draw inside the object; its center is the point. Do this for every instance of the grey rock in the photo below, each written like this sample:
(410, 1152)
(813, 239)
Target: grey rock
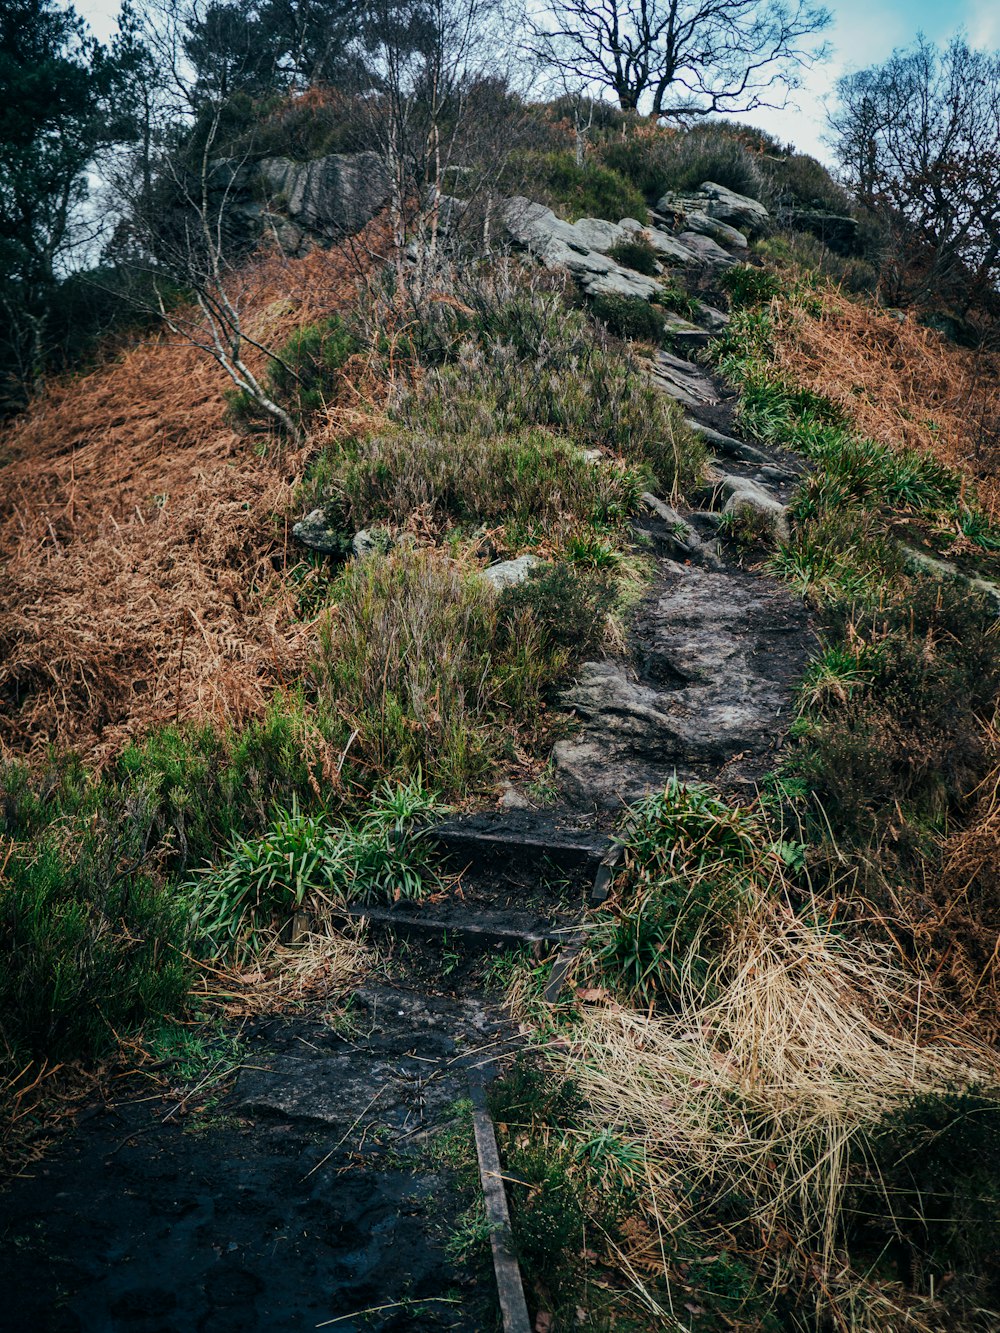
(559, 244)
(725, 444)
(706, 250)
(711, 319)
(512, 799)
(676, 204)
(683, 334)
(316, 532)
(330, 196)
(715, 230)
(737, 209)
(687, 543)
(668, 248)
(740, 493)
(510, 572)
(599, 235)
(367, 542)
(713, 680)
(683, 380)
(621, 282)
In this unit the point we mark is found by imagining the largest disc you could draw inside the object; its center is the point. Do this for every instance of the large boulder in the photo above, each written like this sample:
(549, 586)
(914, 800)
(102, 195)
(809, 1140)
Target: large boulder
(559, 244)
(705, 250)
(331, 196)
(736, 209)
(599, 235)
(742, 494)
(721, 232)
(668, 249)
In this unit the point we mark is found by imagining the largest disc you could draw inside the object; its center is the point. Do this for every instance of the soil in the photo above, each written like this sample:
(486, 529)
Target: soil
(308, 1191)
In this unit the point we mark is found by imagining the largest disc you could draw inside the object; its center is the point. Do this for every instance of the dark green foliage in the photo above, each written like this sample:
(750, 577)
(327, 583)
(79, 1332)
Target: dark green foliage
(937, 1161)
(303, 376)
(636, 253)
(796, 180)
(573, 191)
(629, 317)
(912, 738)
(569, 606)
(91, 942)
(749, 286)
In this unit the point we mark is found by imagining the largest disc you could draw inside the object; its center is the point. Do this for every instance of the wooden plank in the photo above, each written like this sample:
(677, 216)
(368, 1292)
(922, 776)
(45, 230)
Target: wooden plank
(430, 925)
(567, 955)
(510, 1290)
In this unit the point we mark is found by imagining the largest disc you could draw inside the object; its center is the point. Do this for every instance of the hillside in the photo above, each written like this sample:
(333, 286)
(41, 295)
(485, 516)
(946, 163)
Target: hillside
(579, 729)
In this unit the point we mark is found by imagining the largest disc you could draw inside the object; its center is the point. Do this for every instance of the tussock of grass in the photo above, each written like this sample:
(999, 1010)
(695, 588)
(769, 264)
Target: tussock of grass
(429, 667)
(533, 482)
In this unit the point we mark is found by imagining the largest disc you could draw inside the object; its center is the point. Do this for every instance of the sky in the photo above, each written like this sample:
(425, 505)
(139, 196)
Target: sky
(864, 32)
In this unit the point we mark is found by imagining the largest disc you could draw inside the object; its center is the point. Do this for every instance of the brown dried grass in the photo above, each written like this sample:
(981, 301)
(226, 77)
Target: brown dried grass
(901, 384)
(764, 1085)
(144, 543)
(324, 962)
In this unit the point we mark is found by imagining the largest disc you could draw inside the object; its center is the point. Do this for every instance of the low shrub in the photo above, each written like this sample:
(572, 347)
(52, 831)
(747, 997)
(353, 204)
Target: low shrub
(430, 670)
(573, 191)
(682, 160)
(569, 606)
(92, 942)
(688, 861)
(938, 1160)
(629, 317)
(637, 254)
(586, 391)
(533, 483)
(910, 744)
(302, 376)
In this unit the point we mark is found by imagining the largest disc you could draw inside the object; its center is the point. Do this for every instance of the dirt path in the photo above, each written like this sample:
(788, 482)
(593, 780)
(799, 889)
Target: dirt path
(716, 649)
(310, 1190)
(313, 1188)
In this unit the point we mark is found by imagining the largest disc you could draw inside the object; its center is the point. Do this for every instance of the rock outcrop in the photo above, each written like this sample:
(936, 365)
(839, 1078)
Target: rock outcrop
(330, 196)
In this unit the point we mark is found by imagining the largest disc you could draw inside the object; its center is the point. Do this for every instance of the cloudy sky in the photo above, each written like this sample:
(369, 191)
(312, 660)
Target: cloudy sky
(863, 32)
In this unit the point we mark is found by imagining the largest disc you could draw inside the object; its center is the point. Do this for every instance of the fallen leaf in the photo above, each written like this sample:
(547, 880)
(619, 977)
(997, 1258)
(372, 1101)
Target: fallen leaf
(591, 993)
(543, 1322)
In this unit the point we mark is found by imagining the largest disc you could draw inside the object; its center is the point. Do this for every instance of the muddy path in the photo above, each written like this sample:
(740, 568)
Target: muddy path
(310, 1190)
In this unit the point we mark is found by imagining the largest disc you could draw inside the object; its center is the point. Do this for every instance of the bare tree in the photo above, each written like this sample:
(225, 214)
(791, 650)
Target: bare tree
(682, 58)
(442, 116)
(919, 141)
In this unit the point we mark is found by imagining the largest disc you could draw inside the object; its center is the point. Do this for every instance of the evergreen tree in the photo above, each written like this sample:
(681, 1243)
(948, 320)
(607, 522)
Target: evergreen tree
(57, 98)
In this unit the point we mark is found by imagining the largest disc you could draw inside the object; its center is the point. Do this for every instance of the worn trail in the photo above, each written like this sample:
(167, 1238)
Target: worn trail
(311, 1189)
